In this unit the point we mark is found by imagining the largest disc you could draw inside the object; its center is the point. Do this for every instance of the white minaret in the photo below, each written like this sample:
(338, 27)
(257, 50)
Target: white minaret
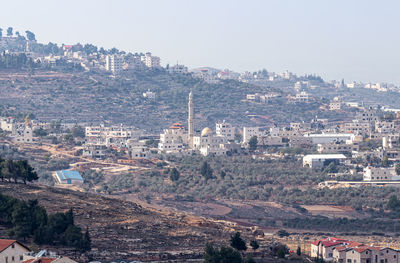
(190, 121)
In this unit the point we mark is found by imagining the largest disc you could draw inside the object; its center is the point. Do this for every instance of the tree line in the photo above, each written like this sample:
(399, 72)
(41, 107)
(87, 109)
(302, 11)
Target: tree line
(17, 170)
(27, 219)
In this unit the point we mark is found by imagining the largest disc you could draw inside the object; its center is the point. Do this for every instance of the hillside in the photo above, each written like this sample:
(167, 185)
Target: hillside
(94, 97)
(121, 229)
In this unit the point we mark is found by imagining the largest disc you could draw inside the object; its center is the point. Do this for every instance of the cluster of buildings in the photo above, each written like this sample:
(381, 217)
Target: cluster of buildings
(12, 251)
(344, 251)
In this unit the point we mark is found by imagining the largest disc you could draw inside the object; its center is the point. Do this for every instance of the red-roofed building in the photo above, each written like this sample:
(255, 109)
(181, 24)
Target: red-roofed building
(344, 251)
(11, 251)
(49, 260)
(324, 247)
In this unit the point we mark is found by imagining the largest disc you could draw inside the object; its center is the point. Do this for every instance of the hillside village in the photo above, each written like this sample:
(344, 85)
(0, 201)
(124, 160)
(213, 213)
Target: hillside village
(241, 151)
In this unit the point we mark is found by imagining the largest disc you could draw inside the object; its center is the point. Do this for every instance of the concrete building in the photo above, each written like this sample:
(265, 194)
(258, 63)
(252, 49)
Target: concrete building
(321, 138)
(337, 148)
(95, 151)
(138, 149)
(324, 248)
(302, 97)
(336, 104)
(391, 141)
(319, 161)
(116, 135)
(249, 132)
(225, 129)
(151, 61)
(380, 174)
(114, 63)
(386, 127)
(208, 143)
(358, 127)
(12, 251)
(177, 69)
(173, 139)
(7, 124)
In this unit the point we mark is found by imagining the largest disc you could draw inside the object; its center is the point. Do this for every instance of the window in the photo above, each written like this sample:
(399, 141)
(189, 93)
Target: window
(13, 246)
(21, 258)
(12, 258)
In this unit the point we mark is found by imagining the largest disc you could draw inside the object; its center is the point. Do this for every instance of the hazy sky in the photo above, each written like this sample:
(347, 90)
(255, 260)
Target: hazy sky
(351, 39)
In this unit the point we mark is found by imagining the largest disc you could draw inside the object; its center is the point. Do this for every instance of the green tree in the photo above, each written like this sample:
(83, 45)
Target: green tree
(253, 143)
(385, 161)
(174, 174)
(393, 203)
(206, 171)
(398, 169)
(22, 220)
(30, 35)
(9, 31)
(86, 242)
(254, 244)
(298, 252)
(250, 259)
(26, 172)
(237, 242)
(281, 252)
(222, 255)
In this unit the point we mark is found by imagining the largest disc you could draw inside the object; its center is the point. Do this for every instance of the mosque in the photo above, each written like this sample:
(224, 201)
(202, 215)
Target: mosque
(176, 139)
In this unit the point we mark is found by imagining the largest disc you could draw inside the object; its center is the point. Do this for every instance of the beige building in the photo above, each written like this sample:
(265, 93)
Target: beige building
(208, 143)
(337, 148)
(11, 251)
(173, 139)
(225, 129)
(380, 174)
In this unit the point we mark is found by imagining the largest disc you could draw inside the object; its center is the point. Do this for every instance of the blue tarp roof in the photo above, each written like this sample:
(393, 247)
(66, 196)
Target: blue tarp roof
(66, 174)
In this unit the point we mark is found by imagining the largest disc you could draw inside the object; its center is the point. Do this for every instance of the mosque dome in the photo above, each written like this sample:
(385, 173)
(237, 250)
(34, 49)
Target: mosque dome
(206, 131)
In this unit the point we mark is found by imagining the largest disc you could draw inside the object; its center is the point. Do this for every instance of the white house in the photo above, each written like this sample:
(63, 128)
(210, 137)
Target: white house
(225, 129)
(249, 132)
(380, 174)
(11, 251)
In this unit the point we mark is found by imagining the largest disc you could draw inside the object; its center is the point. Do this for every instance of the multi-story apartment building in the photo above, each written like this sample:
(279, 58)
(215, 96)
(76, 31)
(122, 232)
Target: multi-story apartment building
(225, 129)
(151, 61)
(358, 127)
(380, 174)
(109, 136)
(114, 63)
(173, 139)
(249, 132)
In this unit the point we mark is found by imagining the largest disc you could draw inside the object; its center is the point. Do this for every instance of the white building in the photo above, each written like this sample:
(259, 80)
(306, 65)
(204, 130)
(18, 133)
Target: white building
(173, 139)
(225, 129)
(380, 174)
(114, 63)
(177, 69)
(336, 104)
(249, 132)
(358, 127)
(322, 138)
(318, 161)
(11, 251)
(208, 143)
(151, 61)
(149, 95)
(110, 136)
(7, 124)
(45, 257)
(138, 149)
(302, 97)
(95, 151)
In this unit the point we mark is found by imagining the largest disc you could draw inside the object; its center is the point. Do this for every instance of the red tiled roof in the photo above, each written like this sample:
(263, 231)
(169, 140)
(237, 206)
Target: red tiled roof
(40, 260)
(331, 243)
(5, 243)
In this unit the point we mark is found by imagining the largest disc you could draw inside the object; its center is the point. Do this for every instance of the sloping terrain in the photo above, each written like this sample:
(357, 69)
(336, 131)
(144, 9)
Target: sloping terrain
(121, 229)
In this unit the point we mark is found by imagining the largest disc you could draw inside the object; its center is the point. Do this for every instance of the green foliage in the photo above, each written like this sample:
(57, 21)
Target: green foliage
(283, 233)
(40, 132)
(393, 203)
(253, 143)
(398, 169)
(281, 252)
(28, 219)
(222, 255)
(206, 171)
(298, 251)
(174, 174)
(17, 170)
(237, 242)
(254, 244)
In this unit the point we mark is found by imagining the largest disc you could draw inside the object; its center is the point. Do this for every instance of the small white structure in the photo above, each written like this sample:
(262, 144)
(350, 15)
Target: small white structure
(149, 95)
(11, 251)
(177, 69)
(318, 161)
